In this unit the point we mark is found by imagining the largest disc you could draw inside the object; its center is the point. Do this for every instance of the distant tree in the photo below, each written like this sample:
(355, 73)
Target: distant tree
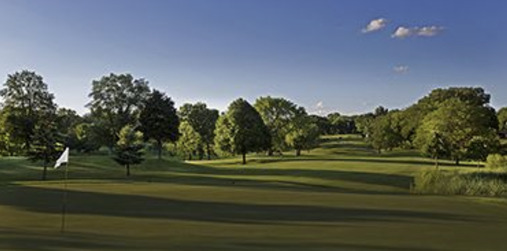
(479, 147)
(323, 124)
(247, 131)
(203, 120)
(364, 124)
(129, 148)
(380, 111)
(47, 144)
(223, 143)
(457, 122)
(502, 119)
(66, 121)
(8, 145)
(435, 147)
(383, 135)
(159, 120)
(116, 102)
(27, 102)
(189, 140)
(277, 114)
(303, 134)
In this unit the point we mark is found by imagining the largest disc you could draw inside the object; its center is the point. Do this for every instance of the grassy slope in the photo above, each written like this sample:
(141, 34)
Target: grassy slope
(340, 196)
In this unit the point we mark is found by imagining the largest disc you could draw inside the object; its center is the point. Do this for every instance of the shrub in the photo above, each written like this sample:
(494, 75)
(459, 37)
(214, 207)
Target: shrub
(495, 161)
(491, 184)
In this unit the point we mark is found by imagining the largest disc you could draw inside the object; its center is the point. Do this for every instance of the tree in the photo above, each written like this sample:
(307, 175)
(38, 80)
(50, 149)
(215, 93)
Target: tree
(380, 111)
(435, 147)
(116, 102)
(27, 102)
(479, 147)
(457, 122)
(189, 140)
(8, 145)
(203, 120)
(46, 146)
(66, 121)
(383, 134)
(364, 124)
(245, 132)
(159, 120)
(83, 138)
(303, 134)
(502, 119)
(277, 114)
(129, 148)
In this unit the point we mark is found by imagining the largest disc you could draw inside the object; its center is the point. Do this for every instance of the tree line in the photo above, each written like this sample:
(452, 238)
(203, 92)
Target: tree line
(127, 116)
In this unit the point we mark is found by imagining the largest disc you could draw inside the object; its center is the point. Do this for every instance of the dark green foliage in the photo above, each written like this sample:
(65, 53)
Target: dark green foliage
(203, 120)
(47, 145)
(116, 102)
(303, 134)
(245, 130)
(159, 120)
(27, 102)
(129, 148)
(502, 119)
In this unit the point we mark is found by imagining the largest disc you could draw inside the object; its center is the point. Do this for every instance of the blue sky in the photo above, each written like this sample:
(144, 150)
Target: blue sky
(316, 53)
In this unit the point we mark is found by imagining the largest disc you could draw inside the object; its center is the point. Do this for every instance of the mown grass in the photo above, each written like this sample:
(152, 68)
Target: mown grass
(341, 196)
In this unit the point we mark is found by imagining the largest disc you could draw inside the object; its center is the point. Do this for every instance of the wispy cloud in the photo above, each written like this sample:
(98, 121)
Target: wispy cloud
(375, 25)
(425, 31)
(400, 69)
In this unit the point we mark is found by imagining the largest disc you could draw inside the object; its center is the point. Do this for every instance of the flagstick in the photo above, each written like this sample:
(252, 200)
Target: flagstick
(64, 199)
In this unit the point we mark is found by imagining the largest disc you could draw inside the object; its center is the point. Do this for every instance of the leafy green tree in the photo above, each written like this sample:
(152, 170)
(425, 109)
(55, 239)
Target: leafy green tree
(189, 140)
(116, 102)
(303, 134)
(502, 119)
(28, 103)
(323, 123)
(159, 120)
(223, 143)
(7, 145)
(479, 147)
(47, 145)
(277, 114)
(129, 148)
(66, 121)
(364, 124)
(457, 122)
(435, 147)
(83, 138)
(246, 130)
(203, 120)
(383, 135)
(380, 111)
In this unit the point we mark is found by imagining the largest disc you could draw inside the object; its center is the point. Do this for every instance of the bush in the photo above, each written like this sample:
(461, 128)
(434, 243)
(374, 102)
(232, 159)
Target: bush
(495, 161)
(491, 184)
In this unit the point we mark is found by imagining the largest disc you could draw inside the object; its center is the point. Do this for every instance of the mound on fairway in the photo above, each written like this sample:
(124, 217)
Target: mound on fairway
(341, 196)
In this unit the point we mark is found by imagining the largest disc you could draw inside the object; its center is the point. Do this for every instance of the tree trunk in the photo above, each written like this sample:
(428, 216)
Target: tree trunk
(244, 158)
(159, 145)
(269, 152)
(298, 152)
(208, 151)
(457, 161)
(44, 171)
(189, 156)
(127, 169)
(379, 151)
(436, 162)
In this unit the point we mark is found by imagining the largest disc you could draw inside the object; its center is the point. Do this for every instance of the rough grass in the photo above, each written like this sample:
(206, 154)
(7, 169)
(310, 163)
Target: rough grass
(341, 196)
(478, 183)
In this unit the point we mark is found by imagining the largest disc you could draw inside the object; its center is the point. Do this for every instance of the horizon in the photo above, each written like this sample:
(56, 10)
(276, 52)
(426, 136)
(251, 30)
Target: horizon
(325, 56)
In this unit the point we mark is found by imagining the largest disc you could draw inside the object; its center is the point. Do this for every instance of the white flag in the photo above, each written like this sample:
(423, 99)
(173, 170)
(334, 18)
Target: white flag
(64, 158)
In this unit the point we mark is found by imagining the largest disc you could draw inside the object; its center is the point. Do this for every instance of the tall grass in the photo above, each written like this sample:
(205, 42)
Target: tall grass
(480, 183)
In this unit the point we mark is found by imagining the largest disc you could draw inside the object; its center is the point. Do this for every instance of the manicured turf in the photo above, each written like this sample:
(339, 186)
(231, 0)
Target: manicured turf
(341, 196)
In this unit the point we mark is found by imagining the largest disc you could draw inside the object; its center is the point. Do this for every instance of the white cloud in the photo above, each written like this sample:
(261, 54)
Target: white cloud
(429, 31)
(400, 69)
(375, 25)
(320, 108)
(402, 32)
(425, 31)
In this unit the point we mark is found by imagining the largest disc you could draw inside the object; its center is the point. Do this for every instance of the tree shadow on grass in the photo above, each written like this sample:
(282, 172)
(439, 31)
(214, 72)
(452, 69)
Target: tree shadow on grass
(45, 200)
(17, 240)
